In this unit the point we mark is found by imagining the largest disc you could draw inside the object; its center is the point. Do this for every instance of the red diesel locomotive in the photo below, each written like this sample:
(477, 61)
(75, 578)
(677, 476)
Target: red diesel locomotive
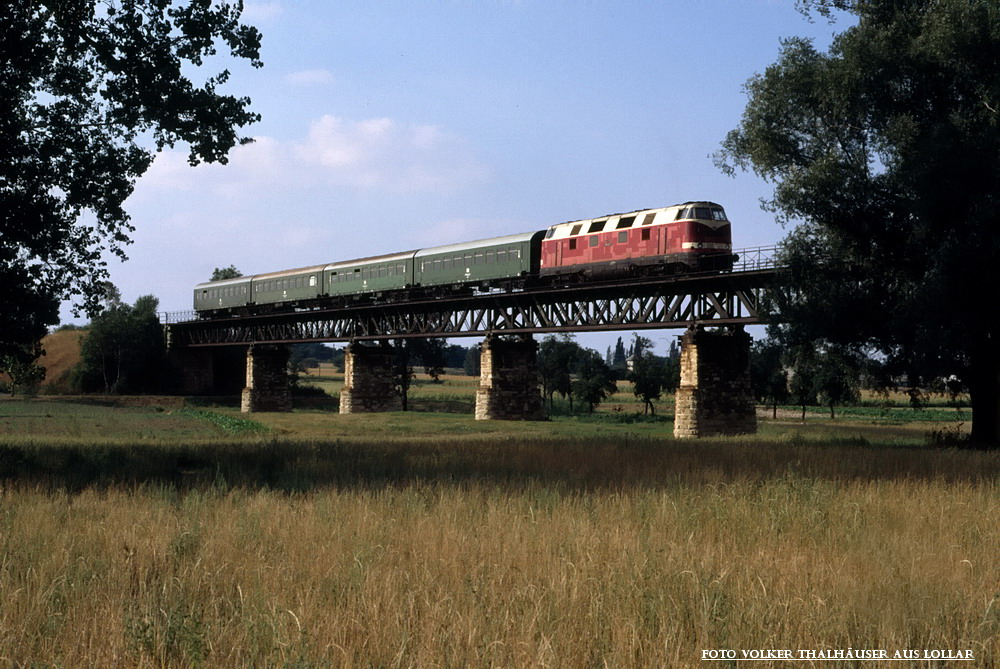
(694, 236)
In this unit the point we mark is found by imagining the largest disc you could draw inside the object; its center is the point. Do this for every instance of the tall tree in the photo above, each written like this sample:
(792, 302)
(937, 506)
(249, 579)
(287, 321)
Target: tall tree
(886, 150)
(124, 350)
(557, 356)
(84, 88)
(768, 376)
(648, 377)
(594, 381)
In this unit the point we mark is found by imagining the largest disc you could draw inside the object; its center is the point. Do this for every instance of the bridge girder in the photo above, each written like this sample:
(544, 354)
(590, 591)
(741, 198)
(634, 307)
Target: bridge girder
(715, 300)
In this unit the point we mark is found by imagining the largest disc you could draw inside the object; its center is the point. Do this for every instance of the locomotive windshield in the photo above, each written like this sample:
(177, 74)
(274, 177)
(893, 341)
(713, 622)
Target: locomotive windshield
(704, 213)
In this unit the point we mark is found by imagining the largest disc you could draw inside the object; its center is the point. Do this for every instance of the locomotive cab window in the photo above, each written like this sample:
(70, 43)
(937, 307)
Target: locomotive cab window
(719, 214)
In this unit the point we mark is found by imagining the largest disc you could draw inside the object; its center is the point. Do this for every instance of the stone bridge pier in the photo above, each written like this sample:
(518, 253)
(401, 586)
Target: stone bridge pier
(267, 387)
(508, 382)
(714, 397)
(369, 379)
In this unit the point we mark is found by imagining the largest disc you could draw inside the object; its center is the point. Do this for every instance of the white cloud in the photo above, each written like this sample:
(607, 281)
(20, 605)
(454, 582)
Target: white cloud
(336, 153)
(309, 77)
(254, 12)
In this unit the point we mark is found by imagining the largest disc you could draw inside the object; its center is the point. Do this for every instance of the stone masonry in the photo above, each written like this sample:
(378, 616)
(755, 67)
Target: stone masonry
(193, 370)
(267, 386)
(714, 397)
(508, 383)
(368, 380)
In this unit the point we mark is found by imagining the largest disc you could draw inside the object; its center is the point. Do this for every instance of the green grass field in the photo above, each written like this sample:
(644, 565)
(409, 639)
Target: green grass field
(162, 534)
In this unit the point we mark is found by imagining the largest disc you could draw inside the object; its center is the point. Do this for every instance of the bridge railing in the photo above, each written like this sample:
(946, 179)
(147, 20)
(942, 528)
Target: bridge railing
(756, 258)
(168, 317)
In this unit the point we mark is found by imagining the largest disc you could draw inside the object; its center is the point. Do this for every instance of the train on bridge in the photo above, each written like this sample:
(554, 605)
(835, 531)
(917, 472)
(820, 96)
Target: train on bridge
(688, 237)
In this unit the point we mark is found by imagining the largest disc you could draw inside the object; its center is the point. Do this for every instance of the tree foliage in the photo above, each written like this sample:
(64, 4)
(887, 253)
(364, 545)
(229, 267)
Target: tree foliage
(885, 150)
(593, 380)
(83, 86)
(557, 357)
(768, 376)
(222, 273)
(123, 351)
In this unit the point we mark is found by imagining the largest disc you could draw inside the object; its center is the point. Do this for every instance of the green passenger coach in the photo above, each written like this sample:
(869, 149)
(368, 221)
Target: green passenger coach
(288, 287)
(225, 294)
(369, 275)
(487, 261)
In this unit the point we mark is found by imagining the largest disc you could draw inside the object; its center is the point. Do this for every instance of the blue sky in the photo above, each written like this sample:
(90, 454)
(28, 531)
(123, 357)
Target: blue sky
(396, 125)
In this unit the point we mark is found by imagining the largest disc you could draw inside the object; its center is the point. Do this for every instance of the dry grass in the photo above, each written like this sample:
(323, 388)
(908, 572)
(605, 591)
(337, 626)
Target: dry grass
(489, 550)
(430, 574)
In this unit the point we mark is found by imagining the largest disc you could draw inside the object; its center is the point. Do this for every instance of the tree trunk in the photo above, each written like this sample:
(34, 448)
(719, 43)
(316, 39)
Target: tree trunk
(984, 393)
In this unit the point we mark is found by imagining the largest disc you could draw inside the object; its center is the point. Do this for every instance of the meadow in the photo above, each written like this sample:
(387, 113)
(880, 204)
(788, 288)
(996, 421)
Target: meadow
(167, 534)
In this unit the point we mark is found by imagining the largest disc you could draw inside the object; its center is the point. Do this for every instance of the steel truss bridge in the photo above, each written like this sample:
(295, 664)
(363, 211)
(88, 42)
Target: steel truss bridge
(732, 298)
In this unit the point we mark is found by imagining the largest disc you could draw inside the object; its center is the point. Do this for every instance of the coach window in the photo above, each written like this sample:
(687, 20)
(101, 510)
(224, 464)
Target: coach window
(514, 254)
(437, 264)
(468, 260)
(479, 259)
(400, 268)
(594, 241)
(446, 263)
(491, 257)
(622, 236)
(501, 255)
(597, 226)
(383, 272)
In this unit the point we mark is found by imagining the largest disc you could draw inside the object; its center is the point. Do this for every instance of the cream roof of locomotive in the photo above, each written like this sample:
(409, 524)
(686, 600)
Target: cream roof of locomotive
(562, 230)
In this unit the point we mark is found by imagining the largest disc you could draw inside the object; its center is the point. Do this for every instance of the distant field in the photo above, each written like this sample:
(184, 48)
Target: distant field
(158, 534)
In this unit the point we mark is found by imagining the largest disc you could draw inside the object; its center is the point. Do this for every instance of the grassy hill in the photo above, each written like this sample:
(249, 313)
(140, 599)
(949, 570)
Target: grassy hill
(62, 353)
